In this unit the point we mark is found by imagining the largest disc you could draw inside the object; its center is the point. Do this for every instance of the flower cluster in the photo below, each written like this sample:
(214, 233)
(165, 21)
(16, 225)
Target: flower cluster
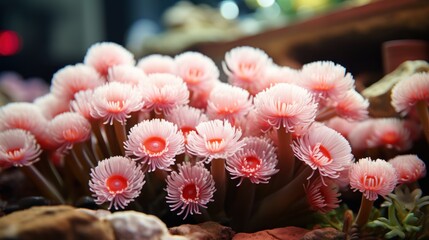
(168, 128)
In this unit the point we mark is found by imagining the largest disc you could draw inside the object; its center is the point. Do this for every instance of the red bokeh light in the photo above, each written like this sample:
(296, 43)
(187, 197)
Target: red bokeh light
(10, 43)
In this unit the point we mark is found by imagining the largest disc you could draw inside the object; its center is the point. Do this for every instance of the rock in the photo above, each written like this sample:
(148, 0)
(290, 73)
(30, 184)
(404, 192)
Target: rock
(203, 231)
(53, 222)
(324, 233)
(290, 233)
(132, 225)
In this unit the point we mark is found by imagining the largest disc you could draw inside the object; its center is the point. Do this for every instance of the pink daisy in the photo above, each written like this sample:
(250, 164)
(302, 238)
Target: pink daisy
(155, 143)
(82, 103)
(198, 98)
(18, 148)
(162, 92)
(373, 177)
(51, 105)
(322, 197)
(72, 79)
(352, 106)
(157, 63)
(324, 150)
(359, 134)
(117, 180)
(410, 168)
(256, 161)
(274, 74)
(186, 118)
(390, 133)
(190, 189)
(214, 139)
(126, 74)
(326, 80)
(245, 67)
(69, 128)
(286, 105)
(196, 70)
(406, 93)
(22, 115)
(105, 55)
(115, 101)
(228, 102)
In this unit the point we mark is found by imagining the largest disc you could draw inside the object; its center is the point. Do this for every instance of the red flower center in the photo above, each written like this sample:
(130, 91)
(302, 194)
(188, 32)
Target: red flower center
(154, 145)
(321, 156)
(116, 106)
(251, 162)
(194, 76)
(213, 144)
(390, 138)
(71, 135)
(186, 130)
(116, 183)
(190, 192)
(370, 182)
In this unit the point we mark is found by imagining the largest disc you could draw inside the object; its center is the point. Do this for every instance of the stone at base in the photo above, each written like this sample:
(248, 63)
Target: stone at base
(290, 233)
(203, 231)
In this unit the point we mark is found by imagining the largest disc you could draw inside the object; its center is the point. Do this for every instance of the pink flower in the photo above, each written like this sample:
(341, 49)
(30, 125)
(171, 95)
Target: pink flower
(373, 177)
(410, 168)
(186, 118)
(157, 63)
(105, 55)
(406, 93)
(256, 161)
(274, 74)
(324, 150)
(24, 116)
(155, 143)
(196, 70)
(326, 79)
(126, 74)
(115, 101)
(190, 189)
(162, 92)
(390, 133)
(359, 134)
(199, 97)
(82, 103)
(69, 128)
(51, 105)
(322, 197)
(286, 105)
(18, 148)
(214, 139)
(245, 67)
(228, 102)
(117, 180)
(74, 78)
(352, 106)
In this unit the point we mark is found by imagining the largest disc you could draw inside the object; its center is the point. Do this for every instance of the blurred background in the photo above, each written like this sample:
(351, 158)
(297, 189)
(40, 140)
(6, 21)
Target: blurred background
(39, 37)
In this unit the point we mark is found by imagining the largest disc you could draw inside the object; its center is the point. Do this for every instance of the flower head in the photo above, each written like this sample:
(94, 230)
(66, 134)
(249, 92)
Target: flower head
(162, 92)
(373, 177)
(115, 101)
(155, 143)
(82, 103)
(341, 125)
(214, 139)
(74, 78)
(228, 102)
(52, 105)
(256, 161)
(274, 74)
(410, 168)
(326, 80)
(157, 63)
(245, 67)
(196, 70)
(105, 55)
(126, 74)
(322, 197)
(390, 133)
(359, 134)
(69, 128)
(186, 118)
(18, 148)
(190, 189)
(117, 180)
(324, 150)
(352, 106)
(409, 91)
(286, 105)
